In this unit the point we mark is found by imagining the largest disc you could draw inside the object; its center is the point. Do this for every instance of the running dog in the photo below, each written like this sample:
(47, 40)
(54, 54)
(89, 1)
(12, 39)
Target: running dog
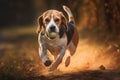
(57, 35)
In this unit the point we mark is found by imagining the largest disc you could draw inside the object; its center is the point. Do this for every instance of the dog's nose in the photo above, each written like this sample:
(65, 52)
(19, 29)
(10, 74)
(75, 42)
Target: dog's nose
(52, 28)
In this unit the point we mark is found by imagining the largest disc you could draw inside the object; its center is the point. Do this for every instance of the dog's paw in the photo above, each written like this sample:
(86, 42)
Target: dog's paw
(67, 62)
(47, 62)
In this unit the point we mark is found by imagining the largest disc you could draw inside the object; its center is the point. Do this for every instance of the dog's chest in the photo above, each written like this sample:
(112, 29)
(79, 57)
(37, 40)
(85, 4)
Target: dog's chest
(55, 44)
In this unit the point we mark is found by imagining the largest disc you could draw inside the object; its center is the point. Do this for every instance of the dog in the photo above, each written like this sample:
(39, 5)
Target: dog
(65, 36)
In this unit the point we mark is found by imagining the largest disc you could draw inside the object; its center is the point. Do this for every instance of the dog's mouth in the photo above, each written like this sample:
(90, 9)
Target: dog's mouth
(52, 35)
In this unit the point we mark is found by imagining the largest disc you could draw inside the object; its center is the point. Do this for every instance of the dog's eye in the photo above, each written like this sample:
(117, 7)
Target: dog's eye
(47, 20)
(57, 20)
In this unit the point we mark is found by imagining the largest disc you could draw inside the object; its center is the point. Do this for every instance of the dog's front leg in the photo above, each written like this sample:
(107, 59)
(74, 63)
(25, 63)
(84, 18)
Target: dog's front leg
(43, 54)
(58, 60)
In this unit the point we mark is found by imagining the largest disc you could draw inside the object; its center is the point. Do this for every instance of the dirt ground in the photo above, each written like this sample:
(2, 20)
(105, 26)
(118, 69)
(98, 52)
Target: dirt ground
(95, 58)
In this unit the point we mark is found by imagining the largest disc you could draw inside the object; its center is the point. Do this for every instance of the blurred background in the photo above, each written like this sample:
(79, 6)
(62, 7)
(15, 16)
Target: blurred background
(98, 23)
(87, 13)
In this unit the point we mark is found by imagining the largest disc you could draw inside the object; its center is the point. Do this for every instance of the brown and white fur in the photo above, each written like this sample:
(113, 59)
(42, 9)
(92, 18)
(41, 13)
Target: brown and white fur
(67, 36)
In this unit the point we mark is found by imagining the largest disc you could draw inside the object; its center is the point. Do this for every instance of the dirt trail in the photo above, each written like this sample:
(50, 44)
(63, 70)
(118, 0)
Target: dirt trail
(90, 62)
(19, 60)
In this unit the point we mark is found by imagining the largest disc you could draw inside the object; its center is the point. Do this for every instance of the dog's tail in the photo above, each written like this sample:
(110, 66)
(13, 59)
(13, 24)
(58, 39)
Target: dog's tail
(69, 13)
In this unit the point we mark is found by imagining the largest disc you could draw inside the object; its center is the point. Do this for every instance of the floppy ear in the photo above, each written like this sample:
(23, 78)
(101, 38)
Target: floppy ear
(64, 22)
(39, 23)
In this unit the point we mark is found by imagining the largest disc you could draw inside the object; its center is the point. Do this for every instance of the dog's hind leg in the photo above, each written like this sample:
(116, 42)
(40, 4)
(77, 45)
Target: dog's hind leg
(72, 48)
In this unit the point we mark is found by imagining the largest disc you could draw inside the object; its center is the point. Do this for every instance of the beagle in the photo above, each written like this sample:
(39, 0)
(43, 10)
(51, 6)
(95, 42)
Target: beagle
(66, 36)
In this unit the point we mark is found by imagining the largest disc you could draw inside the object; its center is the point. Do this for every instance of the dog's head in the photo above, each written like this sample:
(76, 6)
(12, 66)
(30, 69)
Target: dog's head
(51, 21)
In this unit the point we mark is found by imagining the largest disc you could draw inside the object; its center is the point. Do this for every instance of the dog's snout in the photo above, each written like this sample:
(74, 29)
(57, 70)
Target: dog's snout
(52, 28)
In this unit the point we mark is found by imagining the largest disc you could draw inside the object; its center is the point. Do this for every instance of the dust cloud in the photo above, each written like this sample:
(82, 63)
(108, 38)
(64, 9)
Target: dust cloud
(89, 56)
